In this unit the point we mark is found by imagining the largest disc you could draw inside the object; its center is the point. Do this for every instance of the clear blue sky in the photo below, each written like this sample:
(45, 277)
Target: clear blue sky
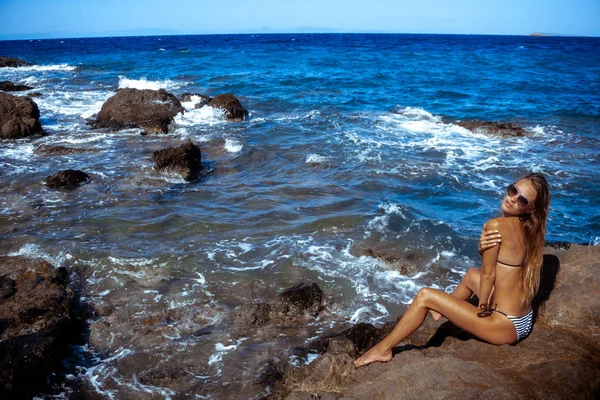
(22, 19)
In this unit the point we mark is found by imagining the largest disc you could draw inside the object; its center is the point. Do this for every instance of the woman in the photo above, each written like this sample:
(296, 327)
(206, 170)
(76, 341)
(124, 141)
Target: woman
(511, 247)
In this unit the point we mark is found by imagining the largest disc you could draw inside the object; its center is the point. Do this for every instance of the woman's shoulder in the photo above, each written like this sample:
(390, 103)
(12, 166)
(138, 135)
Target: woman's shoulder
(496, 224)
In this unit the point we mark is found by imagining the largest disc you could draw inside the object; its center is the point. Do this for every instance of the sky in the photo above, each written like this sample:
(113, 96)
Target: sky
(34, 19)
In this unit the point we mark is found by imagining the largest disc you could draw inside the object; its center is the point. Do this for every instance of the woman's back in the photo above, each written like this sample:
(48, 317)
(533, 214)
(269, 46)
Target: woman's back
(509, 267)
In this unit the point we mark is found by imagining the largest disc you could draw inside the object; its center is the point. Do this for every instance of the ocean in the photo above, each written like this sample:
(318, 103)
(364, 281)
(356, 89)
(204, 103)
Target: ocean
(350, 150)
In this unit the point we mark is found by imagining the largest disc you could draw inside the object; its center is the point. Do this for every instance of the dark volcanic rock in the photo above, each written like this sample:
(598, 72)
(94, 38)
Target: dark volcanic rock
(12, 62)
(8, 86)
(228, 102)
(502, 129)
(68, 179)
(36, 307)
(183, 160)
(45, 150)
(19, 117)
(559, 360)
(300, 299)
(151, 110)
(202, 100)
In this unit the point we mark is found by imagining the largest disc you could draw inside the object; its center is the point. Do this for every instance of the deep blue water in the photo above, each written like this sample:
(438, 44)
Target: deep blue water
(350, 145)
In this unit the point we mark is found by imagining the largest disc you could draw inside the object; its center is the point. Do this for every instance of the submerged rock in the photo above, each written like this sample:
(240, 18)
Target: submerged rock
(151, 110)
(68, 179)
(8, 86)
(184, 160)
(234, 111)
(502, 129)
(46, 150)
(13, 62)
(36, 323)
(19, 117)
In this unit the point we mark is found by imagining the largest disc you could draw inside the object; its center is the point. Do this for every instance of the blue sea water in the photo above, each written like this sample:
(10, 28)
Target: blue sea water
(350, 145)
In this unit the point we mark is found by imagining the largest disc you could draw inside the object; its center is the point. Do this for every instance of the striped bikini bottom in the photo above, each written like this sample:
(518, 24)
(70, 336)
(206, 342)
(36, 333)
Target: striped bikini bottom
(522, 324)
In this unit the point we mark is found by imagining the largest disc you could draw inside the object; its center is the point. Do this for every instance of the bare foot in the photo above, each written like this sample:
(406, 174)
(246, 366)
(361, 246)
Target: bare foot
(376, 354)
(435, 315)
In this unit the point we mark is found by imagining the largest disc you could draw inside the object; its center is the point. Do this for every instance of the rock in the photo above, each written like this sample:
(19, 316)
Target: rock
(46, 150)
(361, 336)
(228, 102)
(183, 160)
(151, 110)
(559, 360)
(19, 117)
(35, 94)
(8, 86)
(68, 179)
(301, 299)
(406, 264)
(572, 301)
(12, 62)
(259, 314)
(502, 129)
(37, 310)
(199, 100)
(269, 373)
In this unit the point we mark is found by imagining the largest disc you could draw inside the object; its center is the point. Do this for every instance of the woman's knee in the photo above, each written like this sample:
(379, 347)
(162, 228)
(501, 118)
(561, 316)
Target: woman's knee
(423, 296)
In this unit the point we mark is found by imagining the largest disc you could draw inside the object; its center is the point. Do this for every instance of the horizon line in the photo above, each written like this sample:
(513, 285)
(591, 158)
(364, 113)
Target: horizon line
(258, 31)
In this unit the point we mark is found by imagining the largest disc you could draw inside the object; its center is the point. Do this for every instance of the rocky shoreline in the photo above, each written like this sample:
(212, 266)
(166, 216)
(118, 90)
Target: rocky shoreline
(41, 315)
(559, 360)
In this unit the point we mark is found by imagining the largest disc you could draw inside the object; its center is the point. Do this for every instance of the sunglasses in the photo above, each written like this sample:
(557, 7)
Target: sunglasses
(512, 191)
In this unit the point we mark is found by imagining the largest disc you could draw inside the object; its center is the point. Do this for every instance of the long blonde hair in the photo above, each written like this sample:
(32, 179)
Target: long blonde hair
(534, 227)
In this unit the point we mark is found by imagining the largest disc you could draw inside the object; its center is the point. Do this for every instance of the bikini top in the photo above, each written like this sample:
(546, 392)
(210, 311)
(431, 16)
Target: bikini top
(510, 265)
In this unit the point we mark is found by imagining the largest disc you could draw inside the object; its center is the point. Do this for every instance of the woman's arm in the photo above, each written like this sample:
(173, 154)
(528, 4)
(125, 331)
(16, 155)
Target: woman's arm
(488, 268)
(488, 239)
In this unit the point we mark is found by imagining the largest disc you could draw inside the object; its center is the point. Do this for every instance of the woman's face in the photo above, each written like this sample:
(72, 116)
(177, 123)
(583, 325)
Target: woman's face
(510, 204)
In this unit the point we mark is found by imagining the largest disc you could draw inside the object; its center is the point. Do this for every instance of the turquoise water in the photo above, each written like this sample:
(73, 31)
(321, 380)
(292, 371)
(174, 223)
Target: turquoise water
(350, 145)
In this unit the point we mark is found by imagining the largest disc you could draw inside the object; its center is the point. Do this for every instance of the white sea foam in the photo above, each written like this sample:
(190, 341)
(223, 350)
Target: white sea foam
(201, 116)
(144, 83)
(32, 250)
(81, 104)
(316, 159)
(137, 262)
(233, 146)
(43, 68)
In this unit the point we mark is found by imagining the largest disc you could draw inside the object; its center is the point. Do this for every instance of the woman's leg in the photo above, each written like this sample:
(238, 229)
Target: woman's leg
(468, 286)
(495, 329)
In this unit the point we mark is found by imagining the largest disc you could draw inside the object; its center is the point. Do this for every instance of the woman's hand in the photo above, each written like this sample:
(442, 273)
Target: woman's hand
(488, 239)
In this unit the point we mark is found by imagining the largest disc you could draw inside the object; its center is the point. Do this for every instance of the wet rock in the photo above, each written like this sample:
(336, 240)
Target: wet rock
(68, 179)
(8, 86)
(12, 62)
(269, 373)
(199, 100)
(559, 360)
(232, 106)
(502, 129)
(302, 299)
(151, 110)
(259, 314)
(35, 94)
(8, 287)
(38, 322)
(46, 150)
(183, 160)
(19, 117)
(405, 263)
(361, 336)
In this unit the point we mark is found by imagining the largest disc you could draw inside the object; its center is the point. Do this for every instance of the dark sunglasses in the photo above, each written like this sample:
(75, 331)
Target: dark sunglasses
(512, 191)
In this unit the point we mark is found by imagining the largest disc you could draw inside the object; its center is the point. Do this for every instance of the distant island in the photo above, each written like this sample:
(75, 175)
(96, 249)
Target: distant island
(537, 34)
